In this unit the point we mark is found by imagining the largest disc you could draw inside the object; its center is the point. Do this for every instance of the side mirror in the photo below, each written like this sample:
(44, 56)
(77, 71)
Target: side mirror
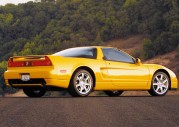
(104, 58)
(138, 61)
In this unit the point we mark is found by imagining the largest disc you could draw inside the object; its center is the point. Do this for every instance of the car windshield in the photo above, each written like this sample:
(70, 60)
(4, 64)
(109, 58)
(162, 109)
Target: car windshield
(81, 52)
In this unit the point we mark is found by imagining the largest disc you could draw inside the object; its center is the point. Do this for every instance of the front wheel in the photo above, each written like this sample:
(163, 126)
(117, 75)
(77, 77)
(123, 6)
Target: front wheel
(81, 83)
(114, 93)
(160, 84)
(34, 92)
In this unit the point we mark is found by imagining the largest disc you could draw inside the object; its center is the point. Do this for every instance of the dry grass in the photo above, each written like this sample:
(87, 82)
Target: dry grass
(20, 93)
(129, 44)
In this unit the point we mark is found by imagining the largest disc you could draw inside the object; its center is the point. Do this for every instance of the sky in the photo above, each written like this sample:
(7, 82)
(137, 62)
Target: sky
(4, 2)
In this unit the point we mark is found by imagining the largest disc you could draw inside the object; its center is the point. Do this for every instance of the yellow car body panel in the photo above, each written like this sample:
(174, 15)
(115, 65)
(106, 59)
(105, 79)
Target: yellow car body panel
(109, 75)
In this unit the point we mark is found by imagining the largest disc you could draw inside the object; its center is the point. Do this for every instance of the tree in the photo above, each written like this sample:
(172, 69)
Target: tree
(148, 49)
(3, 67)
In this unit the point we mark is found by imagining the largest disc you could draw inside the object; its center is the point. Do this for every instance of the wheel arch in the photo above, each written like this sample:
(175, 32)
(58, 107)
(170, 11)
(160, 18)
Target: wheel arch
(166, 72)
(87, 69)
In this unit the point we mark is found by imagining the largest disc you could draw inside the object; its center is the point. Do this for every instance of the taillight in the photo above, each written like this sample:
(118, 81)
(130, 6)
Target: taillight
(45, 62)
(11, 63)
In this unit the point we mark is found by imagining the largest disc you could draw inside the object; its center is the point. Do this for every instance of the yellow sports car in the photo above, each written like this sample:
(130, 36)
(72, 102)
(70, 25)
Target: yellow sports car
(84, 69)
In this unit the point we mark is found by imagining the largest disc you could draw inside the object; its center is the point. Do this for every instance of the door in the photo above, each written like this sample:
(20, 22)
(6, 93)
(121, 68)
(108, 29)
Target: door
(123, 70)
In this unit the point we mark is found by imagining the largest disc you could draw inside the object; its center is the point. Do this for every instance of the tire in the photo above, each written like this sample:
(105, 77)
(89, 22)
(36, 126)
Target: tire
(81, 83)
(160, 84)
(34, 92)
(114, 93)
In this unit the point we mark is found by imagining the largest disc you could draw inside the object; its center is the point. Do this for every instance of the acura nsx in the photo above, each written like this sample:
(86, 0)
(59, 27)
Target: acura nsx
(81, 70)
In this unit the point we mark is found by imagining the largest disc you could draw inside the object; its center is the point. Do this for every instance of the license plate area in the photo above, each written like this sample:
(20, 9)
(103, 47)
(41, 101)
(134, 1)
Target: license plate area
(25, 77)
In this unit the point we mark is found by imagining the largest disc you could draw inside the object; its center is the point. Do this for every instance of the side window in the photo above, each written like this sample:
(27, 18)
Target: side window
(115, 55)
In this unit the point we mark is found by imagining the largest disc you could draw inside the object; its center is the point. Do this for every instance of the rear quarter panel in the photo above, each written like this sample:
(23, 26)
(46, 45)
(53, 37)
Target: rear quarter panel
(66, 66)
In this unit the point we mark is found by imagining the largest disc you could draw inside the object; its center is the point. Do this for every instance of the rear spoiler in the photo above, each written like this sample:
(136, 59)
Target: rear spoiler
(30, 56)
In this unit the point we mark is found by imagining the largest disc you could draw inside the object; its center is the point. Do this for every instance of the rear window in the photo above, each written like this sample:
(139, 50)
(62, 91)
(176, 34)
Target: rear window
(83, 52)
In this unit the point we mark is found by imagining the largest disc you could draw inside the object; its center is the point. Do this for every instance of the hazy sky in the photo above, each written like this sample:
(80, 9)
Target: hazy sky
(3, 2)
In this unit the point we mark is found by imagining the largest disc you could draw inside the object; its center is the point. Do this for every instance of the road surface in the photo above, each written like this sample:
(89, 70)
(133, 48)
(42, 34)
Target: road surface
(144, 111)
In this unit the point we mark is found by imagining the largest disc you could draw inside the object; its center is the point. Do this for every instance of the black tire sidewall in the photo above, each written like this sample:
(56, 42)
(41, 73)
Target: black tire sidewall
(30, 92)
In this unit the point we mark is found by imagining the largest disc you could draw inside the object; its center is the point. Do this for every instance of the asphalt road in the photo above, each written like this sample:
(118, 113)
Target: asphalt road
(90, 112)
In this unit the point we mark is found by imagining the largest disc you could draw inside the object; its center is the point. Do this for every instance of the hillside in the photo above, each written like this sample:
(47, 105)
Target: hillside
(77, 23)
(143, 28)
(128, 44)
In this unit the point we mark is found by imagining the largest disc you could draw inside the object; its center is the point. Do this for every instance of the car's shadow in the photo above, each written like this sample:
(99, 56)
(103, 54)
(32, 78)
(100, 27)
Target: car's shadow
(70, 97)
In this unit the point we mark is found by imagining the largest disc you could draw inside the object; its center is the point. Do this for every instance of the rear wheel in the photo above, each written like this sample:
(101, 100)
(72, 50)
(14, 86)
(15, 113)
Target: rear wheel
(34, 92)
(81, 83)
(160, 84)
(114, 93)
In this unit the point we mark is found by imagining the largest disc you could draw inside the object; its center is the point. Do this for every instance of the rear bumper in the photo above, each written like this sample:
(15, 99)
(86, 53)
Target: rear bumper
(34, 72)
(42, 76)
(17, 83)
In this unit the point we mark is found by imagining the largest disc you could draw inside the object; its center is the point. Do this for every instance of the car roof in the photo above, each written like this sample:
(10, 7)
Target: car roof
(93, 47)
